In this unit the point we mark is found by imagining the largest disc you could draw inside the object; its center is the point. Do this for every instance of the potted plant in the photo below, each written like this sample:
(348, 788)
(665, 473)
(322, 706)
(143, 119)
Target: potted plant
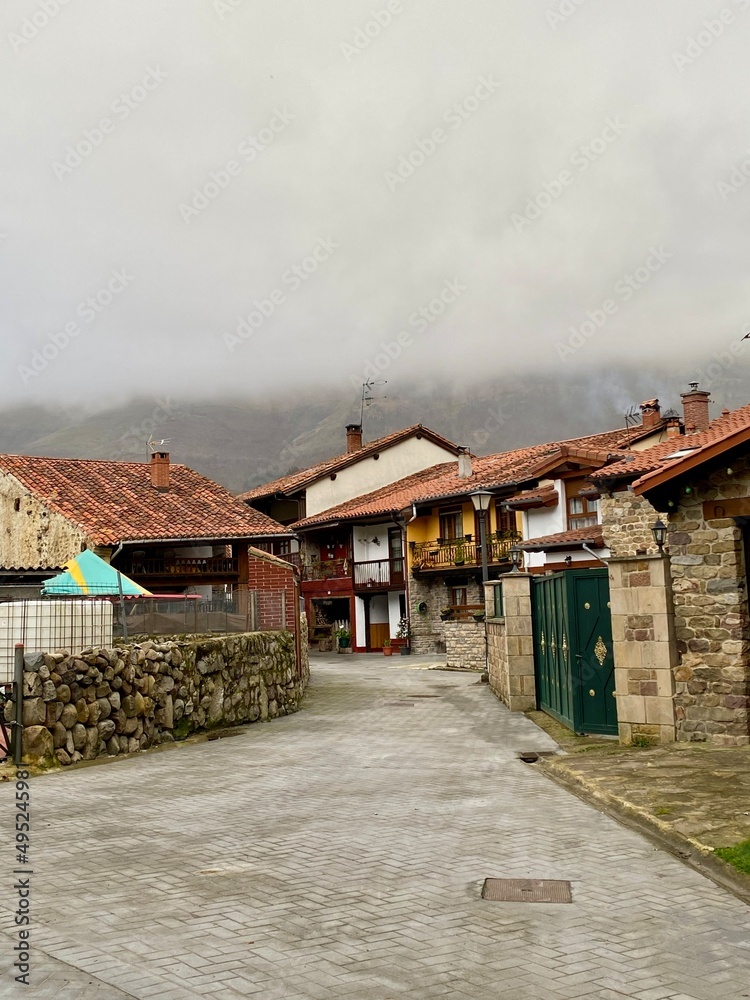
(387, 648)
(344, 637)
(459, 556)
(446, 614)
(404, 633)
(478, 616)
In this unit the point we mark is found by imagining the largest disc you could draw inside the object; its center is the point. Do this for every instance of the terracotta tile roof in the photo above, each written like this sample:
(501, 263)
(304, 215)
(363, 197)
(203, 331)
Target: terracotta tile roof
(441, 482)
(115, 501)
(298, 480)
(543, 496)
(566, 539)
(727, 431)
(637, 465)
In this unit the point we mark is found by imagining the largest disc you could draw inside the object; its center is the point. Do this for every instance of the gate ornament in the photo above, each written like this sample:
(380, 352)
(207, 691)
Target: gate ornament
(600, 650)
(565, 646)
(544, 643)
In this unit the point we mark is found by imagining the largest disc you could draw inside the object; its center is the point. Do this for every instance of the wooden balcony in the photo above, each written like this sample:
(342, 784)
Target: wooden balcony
(330, 569)
(379, 574)
(455, 553)
(156, 566)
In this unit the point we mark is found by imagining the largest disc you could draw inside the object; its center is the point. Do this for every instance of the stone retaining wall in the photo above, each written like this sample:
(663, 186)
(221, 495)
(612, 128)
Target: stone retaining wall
(465, 645)
(131, 697)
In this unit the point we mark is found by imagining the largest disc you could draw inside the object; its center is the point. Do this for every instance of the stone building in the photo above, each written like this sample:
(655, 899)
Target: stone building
(680, 614)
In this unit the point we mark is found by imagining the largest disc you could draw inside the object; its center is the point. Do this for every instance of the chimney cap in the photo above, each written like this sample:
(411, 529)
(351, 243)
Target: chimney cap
(354, 427)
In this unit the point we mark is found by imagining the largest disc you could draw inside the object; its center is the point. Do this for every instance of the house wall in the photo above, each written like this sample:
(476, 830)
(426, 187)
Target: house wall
(709, 582)
(365, 550)
(428, 631)
(546, 520)
(369, 474)
(270, 578)
(34, 535)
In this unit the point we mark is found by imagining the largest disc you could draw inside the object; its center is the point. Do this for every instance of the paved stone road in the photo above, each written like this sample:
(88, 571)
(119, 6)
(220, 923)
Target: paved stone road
(340, 853)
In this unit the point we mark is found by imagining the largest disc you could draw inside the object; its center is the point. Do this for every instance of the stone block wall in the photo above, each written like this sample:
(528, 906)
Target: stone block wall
(644, 648)
(428, 631)
(131, 697)
(465, 645)
(627, 520)
(712, 627)
(511, 644)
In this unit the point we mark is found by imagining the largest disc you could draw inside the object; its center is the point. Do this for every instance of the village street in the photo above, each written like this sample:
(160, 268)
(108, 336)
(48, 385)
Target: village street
(341, 852)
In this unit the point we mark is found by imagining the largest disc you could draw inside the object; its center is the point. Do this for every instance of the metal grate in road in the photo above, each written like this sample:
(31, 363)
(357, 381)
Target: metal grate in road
(525, 890)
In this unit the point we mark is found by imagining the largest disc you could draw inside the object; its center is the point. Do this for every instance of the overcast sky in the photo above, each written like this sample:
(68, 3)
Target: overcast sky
(325, 170)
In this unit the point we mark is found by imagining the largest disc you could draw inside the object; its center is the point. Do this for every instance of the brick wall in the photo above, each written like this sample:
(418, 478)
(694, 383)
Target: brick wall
(270, 577)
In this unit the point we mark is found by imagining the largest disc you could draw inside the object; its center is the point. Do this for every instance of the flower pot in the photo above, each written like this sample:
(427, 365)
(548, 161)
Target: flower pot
(387, 650)
(406, 650)
(345, 649)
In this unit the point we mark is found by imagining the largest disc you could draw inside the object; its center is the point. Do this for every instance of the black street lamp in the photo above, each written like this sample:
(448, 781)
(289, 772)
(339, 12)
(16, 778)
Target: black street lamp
(481, 500)
(659, 531)
(515, 558)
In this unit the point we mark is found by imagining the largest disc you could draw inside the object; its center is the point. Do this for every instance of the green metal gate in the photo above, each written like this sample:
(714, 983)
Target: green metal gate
(573, 649)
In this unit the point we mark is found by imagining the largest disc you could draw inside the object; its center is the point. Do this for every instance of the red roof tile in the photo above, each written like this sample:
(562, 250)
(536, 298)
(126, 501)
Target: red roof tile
(542, 496)
(442, 481)
(637, 465)
(566, 539)
(115, 501)
(298, 480)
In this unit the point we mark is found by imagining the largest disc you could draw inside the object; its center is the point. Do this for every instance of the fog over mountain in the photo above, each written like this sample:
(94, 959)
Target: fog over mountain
(255, 200)
(241, 443)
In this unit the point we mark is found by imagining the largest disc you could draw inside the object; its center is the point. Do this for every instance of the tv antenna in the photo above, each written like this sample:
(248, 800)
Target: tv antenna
(153, 445)
(367, 395)
(632, 418)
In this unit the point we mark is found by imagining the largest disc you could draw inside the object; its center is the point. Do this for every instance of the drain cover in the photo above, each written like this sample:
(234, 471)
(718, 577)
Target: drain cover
(526, 890)
(532, 756)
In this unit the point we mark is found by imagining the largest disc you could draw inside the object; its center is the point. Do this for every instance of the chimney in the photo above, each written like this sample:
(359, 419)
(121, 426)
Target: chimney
(650, 413)
(465, 470)
(160, 471)
(353, 438)
(695, 403)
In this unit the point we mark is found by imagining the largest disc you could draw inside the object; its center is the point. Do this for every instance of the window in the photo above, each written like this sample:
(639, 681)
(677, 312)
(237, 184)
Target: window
(452, 524)
(583, 512)
(459, 597)
(504, 519)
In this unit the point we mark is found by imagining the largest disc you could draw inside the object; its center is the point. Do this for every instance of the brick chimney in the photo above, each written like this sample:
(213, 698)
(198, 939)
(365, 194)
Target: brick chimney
(465, 470)
(695, 404)
(650, 413)
(160, 471)
(353, 438)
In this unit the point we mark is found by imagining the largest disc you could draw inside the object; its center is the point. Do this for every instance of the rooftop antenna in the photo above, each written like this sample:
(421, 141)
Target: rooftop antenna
(152, 445)
(367, 396)
(632, 418)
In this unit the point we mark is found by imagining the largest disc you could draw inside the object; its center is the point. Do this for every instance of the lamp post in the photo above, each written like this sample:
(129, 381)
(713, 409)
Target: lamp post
(659, 531)
(481, 500)
(515, 558)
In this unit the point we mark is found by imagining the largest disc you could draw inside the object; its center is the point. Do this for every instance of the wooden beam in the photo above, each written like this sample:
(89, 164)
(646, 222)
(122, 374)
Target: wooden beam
(736, 507)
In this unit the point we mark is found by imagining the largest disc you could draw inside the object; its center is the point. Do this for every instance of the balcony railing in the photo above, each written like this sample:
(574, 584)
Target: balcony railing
(379, 573)
(329, 569)
(451, 552)
(184, 566)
